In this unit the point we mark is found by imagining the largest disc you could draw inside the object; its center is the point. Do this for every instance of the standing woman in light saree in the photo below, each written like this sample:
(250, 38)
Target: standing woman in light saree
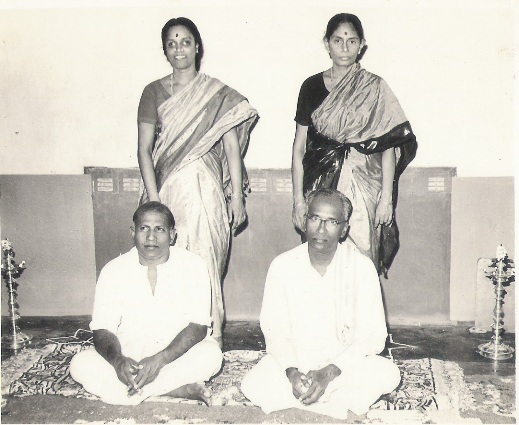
(192, 133)
(352, 135)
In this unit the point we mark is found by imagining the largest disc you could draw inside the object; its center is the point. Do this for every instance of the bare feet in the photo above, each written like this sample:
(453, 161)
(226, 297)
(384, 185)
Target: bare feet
(196, 391)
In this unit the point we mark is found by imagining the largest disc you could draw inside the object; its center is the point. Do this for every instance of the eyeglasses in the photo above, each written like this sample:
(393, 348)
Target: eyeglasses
(328, 222)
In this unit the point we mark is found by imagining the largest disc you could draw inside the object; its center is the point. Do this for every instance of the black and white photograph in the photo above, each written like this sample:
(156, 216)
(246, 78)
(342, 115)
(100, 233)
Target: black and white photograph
(239, 211)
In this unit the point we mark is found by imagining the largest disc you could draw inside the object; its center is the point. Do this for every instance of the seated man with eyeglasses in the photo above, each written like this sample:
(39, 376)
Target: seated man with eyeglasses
(323, 320)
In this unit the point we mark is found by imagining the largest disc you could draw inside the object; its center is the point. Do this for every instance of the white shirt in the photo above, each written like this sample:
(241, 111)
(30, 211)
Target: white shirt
(299, 310)
(145, 322)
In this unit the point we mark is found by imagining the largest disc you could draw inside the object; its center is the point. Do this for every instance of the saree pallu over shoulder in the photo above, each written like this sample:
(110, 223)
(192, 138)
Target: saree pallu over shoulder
(360, 107)
(194, 121)
(361, 112)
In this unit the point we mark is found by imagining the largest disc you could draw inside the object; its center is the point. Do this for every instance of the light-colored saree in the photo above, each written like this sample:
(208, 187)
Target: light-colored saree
(359, 119)
(192, 172)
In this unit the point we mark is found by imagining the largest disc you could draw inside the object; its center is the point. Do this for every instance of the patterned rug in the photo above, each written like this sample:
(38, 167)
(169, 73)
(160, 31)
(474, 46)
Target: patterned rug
(493, 394)
(427, 384)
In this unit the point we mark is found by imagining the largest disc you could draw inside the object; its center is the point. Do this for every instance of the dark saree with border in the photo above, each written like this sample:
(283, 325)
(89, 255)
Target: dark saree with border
(358, 120)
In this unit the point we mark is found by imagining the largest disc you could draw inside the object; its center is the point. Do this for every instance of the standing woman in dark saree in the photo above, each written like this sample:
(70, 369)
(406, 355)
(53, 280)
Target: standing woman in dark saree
(192, 133)
(352, 135)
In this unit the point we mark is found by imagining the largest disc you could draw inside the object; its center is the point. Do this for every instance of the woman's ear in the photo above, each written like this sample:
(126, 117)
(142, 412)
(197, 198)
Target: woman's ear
(326, 44)
(362, 50)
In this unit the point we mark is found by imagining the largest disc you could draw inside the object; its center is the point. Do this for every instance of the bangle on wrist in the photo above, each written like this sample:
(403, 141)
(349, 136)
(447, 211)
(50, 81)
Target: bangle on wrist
(238, 195)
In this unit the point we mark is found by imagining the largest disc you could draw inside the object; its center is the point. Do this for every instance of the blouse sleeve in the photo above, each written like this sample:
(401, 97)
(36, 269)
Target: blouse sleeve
(312, 94)
(147, 111)
(304, 109)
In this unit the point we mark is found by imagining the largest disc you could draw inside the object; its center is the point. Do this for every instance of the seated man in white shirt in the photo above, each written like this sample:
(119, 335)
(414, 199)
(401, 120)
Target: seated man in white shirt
(151, 320)
(323, 321)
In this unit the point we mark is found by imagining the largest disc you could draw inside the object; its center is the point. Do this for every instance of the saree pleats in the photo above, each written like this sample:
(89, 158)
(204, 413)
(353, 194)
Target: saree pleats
(192, 173)
(361, 181)
(195, 195)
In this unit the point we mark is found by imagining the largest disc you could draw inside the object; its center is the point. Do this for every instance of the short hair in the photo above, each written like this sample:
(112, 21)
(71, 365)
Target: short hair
(191, 27)
(346, 18)
(157, 207)
(347, 208)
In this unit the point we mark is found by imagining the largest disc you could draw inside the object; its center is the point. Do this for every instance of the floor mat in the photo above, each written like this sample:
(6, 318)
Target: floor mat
(427, 384)
(493, 394)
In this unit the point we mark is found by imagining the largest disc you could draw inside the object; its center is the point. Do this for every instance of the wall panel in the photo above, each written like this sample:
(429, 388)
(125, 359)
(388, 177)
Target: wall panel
(483, 217)
(418, 287)
(49, 221)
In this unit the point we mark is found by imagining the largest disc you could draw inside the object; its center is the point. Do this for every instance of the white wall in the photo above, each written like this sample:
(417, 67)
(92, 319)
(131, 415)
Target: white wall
(482, 217)
(71, 74)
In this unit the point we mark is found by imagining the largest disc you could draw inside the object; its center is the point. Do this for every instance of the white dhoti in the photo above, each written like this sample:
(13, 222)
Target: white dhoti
(98, 377)
(355, 389)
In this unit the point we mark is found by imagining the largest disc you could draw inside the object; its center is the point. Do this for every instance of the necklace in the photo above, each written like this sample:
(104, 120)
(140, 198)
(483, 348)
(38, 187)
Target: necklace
(171, 82)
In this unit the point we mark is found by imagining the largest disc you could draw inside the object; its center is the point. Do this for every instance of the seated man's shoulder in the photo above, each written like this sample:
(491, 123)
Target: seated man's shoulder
(186, 257)
(123, 260)
(293, 254)
(360, 257)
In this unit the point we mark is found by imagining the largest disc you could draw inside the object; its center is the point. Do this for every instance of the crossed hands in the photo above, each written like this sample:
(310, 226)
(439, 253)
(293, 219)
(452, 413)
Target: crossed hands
(136, 375)
(309, 388)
